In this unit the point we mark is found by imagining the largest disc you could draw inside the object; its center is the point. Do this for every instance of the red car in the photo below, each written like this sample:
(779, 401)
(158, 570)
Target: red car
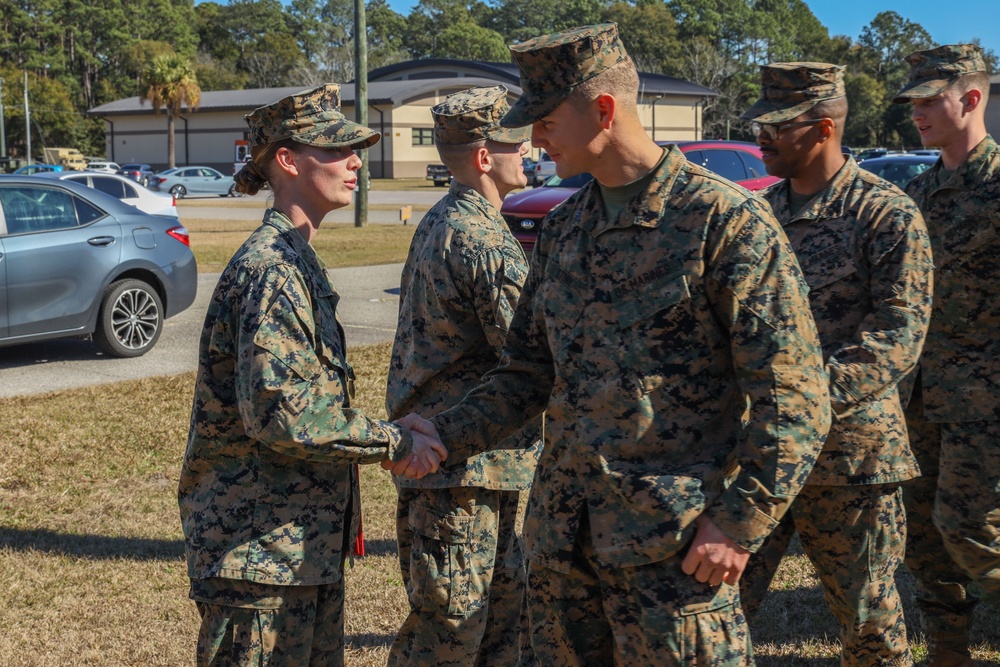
(739, 161)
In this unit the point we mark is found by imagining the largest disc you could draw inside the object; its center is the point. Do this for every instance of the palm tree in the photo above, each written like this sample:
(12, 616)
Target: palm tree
(171, 84)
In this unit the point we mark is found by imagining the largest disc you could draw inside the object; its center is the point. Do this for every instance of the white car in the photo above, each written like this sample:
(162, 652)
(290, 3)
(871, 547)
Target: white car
(106, 167)
(125, 189)
(544, 168)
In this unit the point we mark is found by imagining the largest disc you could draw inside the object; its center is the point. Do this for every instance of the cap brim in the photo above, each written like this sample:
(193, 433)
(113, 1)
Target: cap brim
(343, 134)
(511, 135)
(920, 90)
(766, 111)
(530, 108)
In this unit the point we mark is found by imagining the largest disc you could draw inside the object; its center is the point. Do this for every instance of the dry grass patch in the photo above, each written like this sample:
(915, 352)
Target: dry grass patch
(91, 558)
(339, 245)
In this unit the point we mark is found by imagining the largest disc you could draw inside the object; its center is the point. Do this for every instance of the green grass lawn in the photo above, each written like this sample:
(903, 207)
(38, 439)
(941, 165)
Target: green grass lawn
(91, 558)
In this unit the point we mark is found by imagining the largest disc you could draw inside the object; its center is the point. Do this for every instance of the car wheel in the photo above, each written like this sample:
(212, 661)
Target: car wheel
(145, 182)
(233, 192)
(178, 191)
(130, 319)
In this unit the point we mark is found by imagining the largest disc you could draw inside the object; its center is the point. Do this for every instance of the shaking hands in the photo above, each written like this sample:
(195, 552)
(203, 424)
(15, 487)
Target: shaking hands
(427, 453)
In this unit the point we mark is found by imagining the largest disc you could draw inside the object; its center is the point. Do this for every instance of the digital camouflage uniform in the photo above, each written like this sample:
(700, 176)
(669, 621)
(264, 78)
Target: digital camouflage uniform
(268, 491)
(647, 338)
(954, 416)
(864, 251)
(461, 559)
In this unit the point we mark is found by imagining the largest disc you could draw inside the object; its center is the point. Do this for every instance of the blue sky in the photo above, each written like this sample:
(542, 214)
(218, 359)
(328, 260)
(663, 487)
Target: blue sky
(947, 22)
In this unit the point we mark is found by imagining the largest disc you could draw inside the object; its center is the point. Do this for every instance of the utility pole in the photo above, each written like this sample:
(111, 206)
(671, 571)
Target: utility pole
(3, 133)
(361, 108)
(27, 119)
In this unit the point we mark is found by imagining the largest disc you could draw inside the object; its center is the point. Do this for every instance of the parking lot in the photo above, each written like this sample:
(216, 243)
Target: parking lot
(368, 309)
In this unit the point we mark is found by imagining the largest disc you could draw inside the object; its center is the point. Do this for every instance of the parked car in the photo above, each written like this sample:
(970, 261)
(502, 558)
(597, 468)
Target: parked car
(899, 169)
(925, 151)
(440, 174)
(101, 165)
(184, 181)
(140, 173)
(125, 189)
(37, 168)
(528, 166)
(544, 169)
(739, 161)
(80, 262)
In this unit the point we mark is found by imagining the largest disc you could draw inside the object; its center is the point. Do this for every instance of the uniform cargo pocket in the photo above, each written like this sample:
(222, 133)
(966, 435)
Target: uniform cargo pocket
(445, 575)
(828, 266)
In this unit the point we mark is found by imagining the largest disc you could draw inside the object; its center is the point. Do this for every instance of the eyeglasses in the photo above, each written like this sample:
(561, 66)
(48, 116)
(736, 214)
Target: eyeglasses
(770, 131)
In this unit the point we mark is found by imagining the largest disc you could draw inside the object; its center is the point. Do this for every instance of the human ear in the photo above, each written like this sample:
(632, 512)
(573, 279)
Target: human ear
(972, 99)
(605, 109)
(484, 160)
(285, 159)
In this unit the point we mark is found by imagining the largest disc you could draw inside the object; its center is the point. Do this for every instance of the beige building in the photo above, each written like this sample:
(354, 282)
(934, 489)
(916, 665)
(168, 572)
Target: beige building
(993, 108)
(399, 101)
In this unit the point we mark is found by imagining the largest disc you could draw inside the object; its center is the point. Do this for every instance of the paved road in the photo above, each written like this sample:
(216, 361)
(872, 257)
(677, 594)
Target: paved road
(368, 308)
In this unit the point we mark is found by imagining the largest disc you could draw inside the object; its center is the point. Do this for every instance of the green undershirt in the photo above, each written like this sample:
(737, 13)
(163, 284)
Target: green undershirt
(616, 199)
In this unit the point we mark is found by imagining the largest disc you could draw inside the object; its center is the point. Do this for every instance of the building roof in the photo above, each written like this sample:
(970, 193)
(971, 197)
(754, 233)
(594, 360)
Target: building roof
(649, 84)
(379, 92)
(394, 84)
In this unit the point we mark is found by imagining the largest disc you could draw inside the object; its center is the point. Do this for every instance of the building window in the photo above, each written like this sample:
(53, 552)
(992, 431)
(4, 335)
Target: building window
(423, 136)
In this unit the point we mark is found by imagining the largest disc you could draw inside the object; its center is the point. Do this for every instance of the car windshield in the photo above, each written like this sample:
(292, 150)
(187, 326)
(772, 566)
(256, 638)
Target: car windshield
(577, 181)
(168, 172)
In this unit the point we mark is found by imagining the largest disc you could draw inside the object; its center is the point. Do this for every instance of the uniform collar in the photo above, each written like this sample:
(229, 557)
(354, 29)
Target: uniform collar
(467, 194)
(646, 210)
(829, 203)
(971, 173)
(283, 225)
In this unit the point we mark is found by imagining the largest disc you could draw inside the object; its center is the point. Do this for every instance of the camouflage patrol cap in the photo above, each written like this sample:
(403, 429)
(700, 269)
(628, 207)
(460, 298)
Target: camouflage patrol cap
(474, 114)
(788, 90)
(933, 70)
(552, 66)
(311, 117)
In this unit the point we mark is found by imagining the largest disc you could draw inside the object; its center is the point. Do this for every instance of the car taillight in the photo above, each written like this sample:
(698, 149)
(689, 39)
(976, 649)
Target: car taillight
(181, 234)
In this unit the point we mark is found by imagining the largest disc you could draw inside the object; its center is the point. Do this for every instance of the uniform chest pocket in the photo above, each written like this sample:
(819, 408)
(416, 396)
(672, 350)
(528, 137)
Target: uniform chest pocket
(827, 266)
(562, 299)
(661, 333)
(330, 345)
(970, 239)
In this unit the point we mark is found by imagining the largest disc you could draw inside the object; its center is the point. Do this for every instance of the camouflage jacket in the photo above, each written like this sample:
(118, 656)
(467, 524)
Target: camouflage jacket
(863, 247)
(960, 366)
(650, 338)
(460, 284)
(267, 492)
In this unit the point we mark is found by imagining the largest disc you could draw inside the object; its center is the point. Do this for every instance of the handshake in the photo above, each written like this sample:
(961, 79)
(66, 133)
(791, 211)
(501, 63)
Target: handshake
(427, 454)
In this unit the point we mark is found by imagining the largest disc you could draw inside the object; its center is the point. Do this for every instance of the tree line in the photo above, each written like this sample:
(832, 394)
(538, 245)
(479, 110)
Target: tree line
(79, 54)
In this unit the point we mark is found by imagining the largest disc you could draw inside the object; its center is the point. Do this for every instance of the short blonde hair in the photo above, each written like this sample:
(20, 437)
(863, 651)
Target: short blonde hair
(621, 81)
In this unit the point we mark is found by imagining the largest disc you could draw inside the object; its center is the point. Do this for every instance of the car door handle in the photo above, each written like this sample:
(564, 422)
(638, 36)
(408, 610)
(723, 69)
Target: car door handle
(101, 240)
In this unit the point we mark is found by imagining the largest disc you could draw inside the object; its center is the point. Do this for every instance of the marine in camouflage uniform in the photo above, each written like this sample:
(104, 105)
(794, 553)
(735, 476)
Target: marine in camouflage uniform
(866, 256)
(268, 491)
(461, 559)
(954, 416)
(647, 335)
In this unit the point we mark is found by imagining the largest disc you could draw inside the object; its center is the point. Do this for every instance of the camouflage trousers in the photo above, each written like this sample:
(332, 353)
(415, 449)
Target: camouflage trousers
(855, 538)
(244, 624)
(463, 567)
(654, 614)
(954, 511)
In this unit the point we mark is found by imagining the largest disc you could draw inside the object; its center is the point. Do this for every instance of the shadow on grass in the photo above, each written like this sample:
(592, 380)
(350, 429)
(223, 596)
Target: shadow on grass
(94, 547)
(369, 640)
(380, 547)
